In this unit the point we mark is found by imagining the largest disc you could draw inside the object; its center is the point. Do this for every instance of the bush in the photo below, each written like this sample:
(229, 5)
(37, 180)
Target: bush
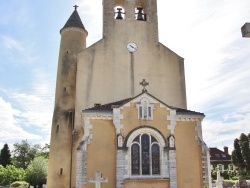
(23, 184)
(36, 173)
(228, 183)
(235, 178)
(11, 174)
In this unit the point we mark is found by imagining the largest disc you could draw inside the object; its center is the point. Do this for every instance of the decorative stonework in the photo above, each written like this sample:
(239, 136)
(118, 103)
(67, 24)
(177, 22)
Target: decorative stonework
(117, 117)
(172, 119)
(205, 155)
(172, 169)
(120, 168)
(87, 127)
(81, 164)
(99, 116)
(198, 128)
(163, 155)
(189, 118)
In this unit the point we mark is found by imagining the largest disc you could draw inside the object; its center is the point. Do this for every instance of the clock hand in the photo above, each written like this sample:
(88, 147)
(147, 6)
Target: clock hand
(132, 46)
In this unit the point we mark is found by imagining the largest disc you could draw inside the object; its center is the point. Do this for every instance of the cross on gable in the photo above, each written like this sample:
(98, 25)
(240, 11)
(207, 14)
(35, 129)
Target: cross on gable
(144, 84)
(98, 180)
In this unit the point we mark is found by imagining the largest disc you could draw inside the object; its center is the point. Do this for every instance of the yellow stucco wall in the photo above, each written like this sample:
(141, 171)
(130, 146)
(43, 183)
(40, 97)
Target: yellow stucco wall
(130, 119)
(101, 154)
(188, 155)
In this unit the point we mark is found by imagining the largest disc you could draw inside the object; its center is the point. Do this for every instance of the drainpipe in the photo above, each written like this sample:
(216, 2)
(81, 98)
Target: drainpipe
(71, 115)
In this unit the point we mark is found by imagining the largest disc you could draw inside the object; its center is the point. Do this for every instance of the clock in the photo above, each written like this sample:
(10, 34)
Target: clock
(132, 47)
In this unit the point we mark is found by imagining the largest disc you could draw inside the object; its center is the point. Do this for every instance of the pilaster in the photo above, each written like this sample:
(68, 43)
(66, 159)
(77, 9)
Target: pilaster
(172, 169)
(120, 168)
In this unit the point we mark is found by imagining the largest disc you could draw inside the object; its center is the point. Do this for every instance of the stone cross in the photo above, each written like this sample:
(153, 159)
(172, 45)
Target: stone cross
(144, 84)
(98, 180)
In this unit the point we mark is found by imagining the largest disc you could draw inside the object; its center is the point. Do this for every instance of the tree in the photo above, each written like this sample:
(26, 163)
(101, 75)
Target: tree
(36, 173)
(241, 153)
(237, 158)
(5, 156)
(44, 152)
(24, 153)
(10, 174)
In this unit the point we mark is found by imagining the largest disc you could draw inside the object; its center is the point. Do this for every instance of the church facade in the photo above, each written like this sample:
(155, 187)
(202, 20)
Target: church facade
(120, 118)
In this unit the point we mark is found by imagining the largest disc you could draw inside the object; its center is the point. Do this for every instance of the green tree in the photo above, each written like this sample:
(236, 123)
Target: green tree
(24, 153)
(237, 158)
(44, 152)
(36, 173)
(5, 156)
(241, 153)
(11, 174)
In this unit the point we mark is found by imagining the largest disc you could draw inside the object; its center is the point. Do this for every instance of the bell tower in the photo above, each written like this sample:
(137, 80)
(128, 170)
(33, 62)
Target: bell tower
(130, 11)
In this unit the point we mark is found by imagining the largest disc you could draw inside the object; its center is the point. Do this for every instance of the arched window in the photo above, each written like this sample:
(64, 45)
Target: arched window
(145, 110)
(145, 155)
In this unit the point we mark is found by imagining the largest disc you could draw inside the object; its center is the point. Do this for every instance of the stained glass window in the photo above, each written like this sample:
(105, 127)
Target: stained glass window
(155, 159)
(145, 155)
(135, 159)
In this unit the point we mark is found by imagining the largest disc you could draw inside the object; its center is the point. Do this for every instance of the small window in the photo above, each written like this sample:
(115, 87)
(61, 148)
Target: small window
(230, 167)
(145, 110)
(223, 155)
(217, 156)
(220, 167)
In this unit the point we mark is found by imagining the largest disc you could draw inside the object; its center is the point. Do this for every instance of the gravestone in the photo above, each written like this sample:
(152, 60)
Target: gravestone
(98, 180)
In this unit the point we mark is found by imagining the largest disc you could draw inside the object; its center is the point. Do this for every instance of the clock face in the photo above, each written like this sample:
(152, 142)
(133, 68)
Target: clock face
(132, 47)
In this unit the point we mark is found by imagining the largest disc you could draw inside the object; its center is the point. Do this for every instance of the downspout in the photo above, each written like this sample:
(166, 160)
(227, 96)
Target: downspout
(71, 114)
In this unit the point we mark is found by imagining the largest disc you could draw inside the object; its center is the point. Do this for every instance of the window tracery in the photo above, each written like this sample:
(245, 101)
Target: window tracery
(145, 155)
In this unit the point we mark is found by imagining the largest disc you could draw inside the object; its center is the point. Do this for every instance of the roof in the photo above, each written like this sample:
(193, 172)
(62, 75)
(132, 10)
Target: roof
(74, 21)
(109, 107)
(218, 155)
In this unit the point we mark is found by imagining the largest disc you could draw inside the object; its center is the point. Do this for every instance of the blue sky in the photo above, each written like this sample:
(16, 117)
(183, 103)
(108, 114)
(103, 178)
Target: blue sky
(206, 33)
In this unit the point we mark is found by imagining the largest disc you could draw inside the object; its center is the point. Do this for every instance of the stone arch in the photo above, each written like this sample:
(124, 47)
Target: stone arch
(148, 129)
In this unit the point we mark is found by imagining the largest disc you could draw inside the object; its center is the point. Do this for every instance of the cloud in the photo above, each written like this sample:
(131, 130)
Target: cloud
(27, 114)
(224, 130)
(91, 15)
(11, 131)
(11, 44)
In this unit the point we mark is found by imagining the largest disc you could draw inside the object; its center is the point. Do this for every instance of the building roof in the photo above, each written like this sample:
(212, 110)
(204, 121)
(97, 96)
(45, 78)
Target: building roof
(218, 155)
(109, 107)
(74, 21)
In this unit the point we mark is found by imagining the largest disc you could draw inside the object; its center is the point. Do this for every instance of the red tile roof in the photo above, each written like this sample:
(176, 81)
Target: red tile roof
(218, 155)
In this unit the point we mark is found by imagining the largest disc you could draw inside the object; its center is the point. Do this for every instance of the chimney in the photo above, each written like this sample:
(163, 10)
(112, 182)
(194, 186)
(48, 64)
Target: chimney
(226, 149)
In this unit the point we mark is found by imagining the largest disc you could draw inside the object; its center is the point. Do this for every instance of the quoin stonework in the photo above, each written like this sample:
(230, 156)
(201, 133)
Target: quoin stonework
(120, 117)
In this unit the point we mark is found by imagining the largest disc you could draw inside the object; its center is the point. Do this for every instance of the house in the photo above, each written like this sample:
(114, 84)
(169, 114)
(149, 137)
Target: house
(221, 159)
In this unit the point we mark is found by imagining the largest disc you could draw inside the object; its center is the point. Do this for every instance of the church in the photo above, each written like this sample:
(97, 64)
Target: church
(120, 116)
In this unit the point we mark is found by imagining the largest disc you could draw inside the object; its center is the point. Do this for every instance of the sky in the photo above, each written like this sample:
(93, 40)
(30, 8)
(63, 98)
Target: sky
(206, 33)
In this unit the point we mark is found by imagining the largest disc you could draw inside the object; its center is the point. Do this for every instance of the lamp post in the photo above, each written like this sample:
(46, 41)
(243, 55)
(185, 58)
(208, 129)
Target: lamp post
(245, 30)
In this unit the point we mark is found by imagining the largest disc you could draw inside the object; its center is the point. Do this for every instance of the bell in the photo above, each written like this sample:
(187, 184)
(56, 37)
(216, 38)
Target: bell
(119, 14)
(140, 14)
